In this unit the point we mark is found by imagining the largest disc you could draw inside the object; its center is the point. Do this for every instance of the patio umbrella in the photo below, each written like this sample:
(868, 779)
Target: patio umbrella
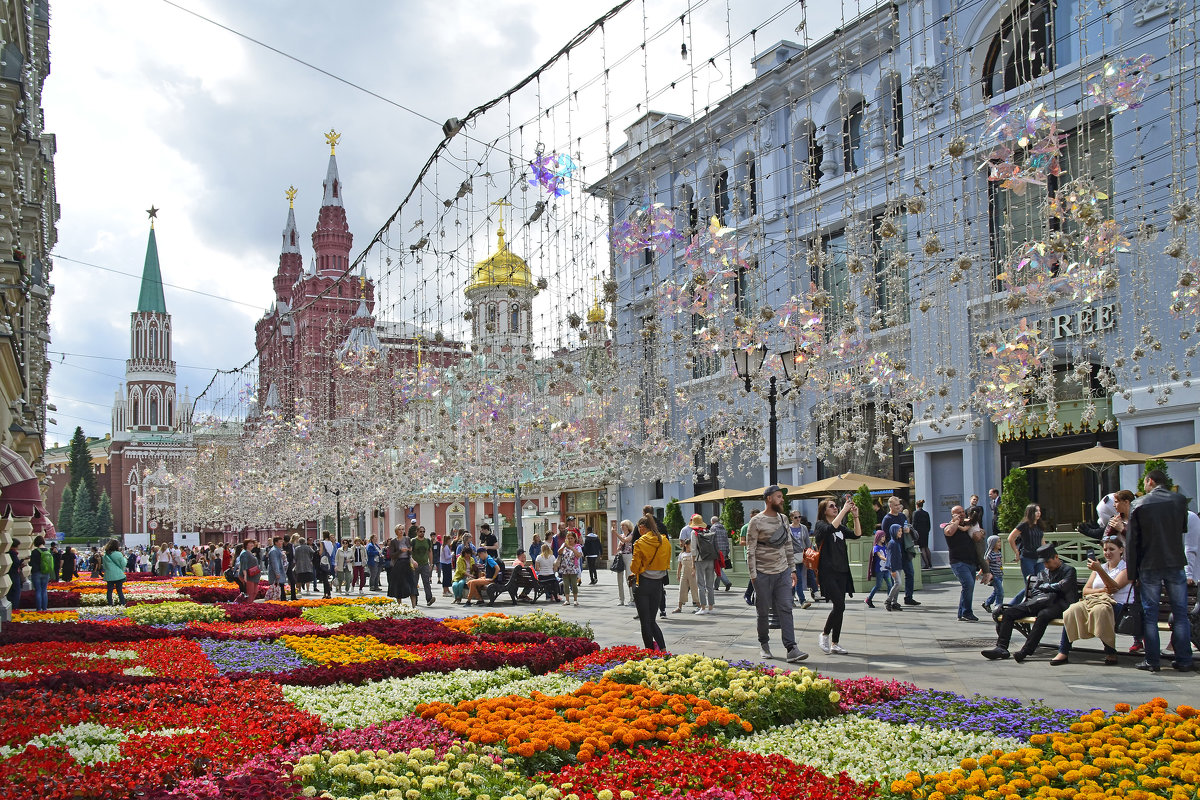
(1188, 453)
(846, 482)
(787, 488)
(715, 496)
(1098, 459)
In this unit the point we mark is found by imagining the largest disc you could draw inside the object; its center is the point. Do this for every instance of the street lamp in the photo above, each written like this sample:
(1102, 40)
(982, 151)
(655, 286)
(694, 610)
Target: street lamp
(748, 363)
(337, 523)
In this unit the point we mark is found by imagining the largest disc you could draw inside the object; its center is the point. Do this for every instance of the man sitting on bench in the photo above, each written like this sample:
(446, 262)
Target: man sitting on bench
(1053, 590)
(521, 576)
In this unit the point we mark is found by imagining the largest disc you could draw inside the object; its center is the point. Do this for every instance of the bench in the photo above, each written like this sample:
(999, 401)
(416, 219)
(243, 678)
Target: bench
(521, 580)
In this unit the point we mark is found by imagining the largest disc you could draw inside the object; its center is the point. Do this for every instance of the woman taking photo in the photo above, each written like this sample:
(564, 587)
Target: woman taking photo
(833, 571)
(1105, 596)
(648, 569)
(114, 571)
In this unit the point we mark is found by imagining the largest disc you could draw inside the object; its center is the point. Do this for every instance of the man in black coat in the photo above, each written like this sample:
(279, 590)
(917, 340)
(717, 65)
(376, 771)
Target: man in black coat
(922, 524)
(1155, 558)
(1053, 590)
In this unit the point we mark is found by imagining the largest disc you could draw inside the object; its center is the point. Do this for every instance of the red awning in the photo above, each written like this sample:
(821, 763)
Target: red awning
(14, 468)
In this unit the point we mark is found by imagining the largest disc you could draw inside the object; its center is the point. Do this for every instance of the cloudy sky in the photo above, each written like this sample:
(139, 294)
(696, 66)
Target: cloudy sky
(153, 106)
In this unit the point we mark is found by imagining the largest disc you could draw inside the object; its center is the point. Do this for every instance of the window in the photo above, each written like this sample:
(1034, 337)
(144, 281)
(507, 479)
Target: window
(816, 154)
(137, 411)
(515, 319)
(834, 277)
(1015, 219)
(897, 118)
(748, 184)
(720, 189)
(705, 361)
(153, 409)
(852, 138)
(689, 215)
(1022, 50)
(153, 336)
(741, 288)
(891, 284)
(491, 314)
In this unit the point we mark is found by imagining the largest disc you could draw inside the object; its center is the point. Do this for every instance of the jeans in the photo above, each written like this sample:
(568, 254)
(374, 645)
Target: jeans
(1153, 582)
(910, 576)
(1029, 567)
(647, 594)
(706, 576)
(40, 581)
(447, 577)
(373, 570)
(458, 588)
(775, 591)
(591, 565)
(883, 580)
(966, 578)
(120, 594)
(894, 592)
(997, 597)
(802, 582)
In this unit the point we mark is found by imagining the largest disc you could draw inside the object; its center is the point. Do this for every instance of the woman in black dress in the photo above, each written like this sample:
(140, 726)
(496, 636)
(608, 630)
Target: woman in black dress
(830, 535)
(401, 583)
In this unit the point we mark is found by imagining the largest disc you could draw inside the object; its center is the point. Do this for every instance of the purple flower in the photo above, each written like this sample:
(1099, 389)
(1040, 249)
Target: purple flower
(999, 716)
(250, 655)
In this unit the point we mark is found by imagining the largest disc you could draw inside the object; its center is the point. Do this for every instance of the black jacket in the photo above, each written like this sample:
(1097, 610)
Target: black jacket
(921, 522)
(1054, 587)
(1157, 522)
(591, 546)
(834, 555)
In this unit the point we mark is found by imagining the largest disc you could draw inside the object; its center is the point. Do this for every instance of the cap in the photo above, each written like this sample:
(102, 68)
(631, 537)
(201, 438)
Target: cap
(1046, 551)
(770, 490)
(697, 520)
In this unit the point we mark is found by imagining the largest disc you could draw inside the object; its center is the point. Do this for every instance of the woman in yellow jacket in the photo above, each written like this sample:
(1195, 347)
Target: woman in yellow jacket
(462, 570)
(648, 570)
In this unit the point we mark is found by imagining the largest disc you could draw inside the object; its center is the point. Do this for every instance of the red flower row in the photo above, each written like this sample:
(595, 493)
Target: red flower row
(605, 655)
(172, 658)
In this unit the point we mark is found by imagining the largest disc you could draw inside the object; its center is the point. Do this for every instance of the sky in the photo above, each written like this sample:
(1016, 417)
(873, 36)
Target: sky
(152, 106)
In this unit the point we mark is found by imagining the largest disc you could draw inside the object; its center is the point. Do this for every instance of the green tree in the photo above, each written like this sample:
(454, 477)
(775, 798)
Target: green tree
(83, 521)
(673, 519)
(1151, 465)
(66, 511)
(1014, 496)
(733, 515)
(79, 464)
(104, 517)
(866, 510)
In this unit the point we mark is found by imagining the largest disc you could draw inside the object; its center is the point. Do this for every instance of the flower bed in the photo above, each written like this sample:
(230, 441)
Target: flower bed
(170, 658)
(998, 716)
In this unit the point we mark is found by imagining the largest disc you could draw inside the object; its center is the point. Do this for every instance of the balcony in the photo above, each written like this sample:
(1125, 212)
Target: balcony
(1036, 423)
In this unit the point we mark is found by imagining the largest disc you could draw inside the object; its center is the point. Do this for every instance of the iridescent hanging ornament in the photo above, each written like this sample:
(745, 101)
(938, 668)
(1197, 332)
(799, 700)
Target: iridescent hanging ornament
(1122, 83)
(651, 227)
(1185, 299)
(1027, 146)
(550, 173)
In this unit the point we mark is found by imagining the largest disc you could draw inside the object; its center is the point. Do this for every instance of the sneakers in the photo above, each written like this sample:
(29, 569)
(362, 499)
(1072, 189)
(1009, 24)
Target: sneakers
(700, 612)
(908, 601)
(987, 607)
(806, 604)
(576, 602)
(1146, 666)
(796, 654)
(836, 649)
(1136, 647)
(872, 605)
(765, 651)
(995, 654)
(823, 643)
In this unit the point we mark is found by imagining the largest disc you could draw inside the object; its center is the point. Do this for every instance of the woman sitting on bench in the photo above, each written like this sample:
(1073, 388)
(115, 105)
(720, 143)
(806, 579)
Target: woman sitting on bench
(1105, 596)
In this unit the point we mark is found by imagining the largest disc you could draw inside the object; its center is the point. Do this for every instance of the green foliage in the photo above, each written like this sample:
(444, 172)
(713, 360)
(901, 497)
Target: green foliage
(170, 612)
(338, 615)
(1014, 496)
(673, 520)
(104, 517)
(83, 519)
(866, 510)
(79, 465)
(540, 621)
(733, 515)
(66, 511)
(1151, 465)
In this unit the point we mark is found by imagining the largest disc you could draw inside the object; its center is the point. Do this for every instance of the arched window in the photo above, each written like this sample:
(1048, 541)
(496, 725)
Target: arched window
(153, 341)
(689, 215)
(153, 409)
(136, 417)
(515, 322)
(748, 184)
(720, 191)
(896, 118)
(852, 138)
(492, 314)
(808, 155)
(1022, 50)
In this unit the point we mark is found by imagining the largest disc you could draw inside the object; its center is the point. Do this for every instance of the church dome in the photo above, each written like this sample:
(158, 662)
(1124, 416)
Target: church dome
(502, 268)
(596, 314)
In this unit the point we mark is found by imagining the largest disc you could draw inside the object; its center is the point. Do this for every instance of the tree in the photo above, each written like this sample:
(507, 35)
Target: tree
(79, 464)
(1151, 465)
(733, 515)
(104, 517)
(66, 511)
(83, 521)
(866, 510)
(673, 520)
(1014, 496)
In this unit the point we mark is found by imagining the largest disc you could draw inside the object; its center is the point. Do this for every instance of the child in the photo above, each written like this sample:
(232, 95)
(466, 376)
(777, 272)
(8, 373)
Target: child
(895, 564)
(878, 567)
(686, 576)
(995, 561)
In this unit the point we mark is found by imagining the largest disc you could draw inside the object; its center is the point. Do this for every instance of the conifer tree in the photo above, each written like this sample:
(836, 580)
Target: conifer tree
(79, 464)
(66, 511)
(83, 521)
(104, 517)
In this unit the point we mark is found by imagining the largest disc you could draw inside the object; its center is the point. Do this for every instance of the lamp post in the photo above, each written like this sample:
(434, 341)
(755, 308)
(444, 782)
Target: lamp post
(748, 363)
(337, 522)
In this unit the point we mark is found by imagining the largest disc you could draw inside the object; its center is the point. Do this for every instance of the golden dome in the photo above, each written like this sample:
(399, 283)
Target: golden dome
(597, 313)
(502, 268)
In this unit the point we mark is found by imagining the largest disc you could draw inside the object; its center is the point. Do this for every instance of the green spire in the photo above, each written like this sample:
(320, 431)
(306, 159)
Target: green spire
(151, 298)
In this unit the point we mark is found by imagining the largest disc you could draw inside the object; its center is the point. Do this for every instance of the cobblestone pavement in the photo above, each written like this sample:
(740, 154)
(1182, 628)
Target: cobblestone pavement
(923, 644)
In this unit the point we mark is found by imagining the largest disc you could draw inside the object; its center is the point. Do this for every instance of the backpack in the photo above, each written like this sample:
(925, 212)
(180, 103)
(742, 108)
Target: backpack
(706, 546)
(47, 562)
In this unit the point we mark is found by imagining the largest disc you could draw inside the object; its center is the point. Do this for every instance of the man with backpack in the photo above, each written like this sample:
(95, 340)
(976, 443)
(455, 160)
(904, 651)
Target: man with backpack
(705, 559)
(41, 567)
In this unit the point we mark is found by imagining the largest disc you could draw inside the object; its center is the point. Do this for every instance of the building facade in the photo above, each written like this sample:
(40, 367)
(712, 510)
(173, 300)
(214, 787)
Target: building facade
(860, 173)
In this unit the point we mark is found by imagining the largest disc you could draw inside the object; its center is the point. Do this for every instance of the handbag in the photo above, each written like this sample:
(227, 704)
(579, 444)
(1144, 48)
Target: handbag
(1132, 617)
(253, 573)
(617, 564)
(812, 558)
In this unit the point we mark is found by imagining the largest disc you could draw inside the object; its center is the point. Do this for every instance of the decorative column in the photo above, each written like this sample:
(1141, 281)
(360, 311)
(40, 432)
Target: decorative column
(831, 153)
(875, 131)
(5, 563)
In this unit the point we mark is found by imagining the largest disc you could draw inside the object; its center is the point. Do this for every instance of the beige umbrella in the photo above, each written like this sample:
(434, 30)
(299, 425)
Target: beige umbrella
(846, 482)
(1188, 453)
(1096, 458)
(715, 496)
(788, 489)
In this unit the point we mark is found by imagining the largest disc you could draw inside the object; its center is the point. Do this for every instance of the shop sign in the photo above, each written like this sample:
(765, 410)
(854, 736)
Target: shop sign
(1085, 321)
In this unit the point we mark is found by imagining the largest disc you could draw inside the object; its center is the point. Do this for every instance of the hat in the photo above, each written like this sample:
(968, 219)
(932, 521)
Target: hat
(770, 490)
(1046, 551)
(697, 520)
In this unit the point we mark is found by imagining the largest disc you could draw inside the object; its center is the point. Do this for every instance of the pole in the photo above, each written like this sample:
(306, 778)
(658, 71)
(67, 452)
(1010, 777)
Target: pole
(517, 515)
(773, 434)
(337, 524)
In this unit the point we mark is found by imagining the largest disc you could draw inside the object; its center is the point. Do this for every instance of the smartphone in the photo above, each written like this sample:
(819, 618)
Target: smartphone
(1090, 554)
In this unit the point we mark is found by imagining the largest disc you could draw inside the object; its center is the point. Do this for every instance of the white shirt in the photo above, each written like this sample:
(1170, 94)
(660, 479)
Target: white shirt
(1123, 595)
(1191, 547)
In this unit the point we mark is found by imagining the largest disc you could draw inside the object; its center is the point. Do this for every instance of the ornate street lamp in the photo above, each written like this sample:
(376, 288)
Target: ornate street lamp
(748, 363)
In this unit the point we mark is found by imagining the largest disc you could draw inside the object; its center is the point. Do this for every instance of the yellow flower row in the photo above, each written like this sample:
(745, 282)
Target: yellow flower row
(318, 602)
(1138, 753)
(45, 616)
(345, 649)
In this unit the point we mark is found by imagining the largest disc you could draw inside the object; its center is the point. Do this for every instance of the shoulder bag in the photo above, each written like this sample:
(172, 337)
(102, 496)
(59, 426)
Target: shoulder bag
(617, 563)
(1132, 617)
(812, 558)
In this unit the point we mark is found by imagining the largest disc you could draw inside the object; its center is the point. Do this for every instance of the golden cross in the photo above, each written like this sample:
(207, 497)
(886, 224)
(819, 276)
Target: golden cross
(502, 203)
(332, 138)
(291, 196)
